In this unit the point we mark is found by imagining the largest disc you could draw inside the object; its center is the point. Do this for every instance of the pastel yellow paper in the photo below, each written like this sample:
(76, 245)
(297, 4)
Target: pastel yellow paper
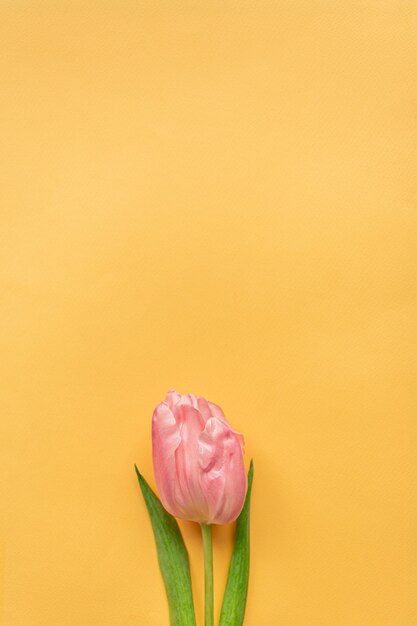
(218, 197)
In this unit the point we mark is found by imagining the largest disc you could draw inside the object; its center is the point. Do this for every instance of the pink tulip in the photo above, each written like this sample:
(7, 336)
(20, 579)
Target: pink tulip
(198, 460)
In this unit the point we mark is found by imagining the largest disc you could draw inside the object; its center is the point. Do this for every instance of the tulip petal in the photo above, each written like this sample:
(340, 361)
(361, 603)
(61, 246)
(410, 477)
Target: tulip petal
(188, 493)
(223, 478)
(193, 400)
(172, 398)
(216, 411)
(209, 409)
(165, 440)
(204, 408)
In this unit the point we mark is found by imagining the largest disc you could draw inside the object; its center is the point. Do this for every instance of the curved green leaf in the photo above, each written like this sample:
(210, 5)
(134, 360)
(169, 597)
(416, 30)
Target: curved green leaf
(234, 601)
(172, 557)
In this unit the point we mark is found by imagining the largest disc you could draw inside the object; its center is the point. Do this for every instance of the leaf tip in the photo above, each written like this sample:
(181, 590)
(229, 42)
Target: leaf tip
(250, 475)
(250, 472)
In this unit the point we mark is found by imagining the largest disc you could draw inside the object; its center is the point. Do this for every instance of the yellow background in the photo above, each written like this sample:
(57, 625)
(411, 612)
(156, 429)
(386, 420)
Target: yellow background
(217, 197)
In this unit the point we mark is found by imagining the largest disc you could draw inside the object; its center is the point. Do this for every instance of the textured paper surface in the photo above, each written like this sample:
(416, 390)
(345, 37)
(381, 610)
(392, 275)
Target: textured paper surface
(218, 197)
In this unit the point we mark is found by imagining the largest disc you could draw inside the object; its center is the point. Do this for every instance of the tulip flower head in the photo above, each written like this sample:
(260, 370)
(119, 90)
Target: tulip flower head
(198, 460)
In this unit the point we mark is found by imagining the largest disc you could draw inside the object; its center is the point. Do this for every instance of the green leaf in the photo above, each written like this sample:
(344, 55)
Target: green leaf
(172, 557)
(234, 601)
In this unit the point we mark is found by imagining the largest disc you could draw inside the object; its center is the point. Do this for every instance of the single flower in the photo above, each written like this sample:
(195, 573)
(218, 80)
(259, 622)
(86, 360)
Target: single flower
(198, 460)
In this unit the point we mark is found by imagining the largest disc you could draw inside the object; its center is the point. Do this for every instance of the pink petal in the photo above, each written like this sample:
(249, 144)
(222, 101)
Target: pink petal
(223, 478)
(188, 492)
(209, 409)
(172, 398)
(217, 412)
(165, 440)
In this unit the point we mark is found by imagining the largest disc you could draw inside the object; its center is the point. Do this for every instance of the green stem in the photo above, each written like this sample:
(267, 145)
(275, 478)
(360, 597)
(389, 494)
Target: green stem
(206, 530)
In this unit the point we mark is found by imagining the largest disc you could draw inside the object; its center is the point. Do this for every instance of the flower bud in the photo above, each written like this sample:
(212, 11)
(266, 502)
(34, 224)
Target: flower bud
(198, 460)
